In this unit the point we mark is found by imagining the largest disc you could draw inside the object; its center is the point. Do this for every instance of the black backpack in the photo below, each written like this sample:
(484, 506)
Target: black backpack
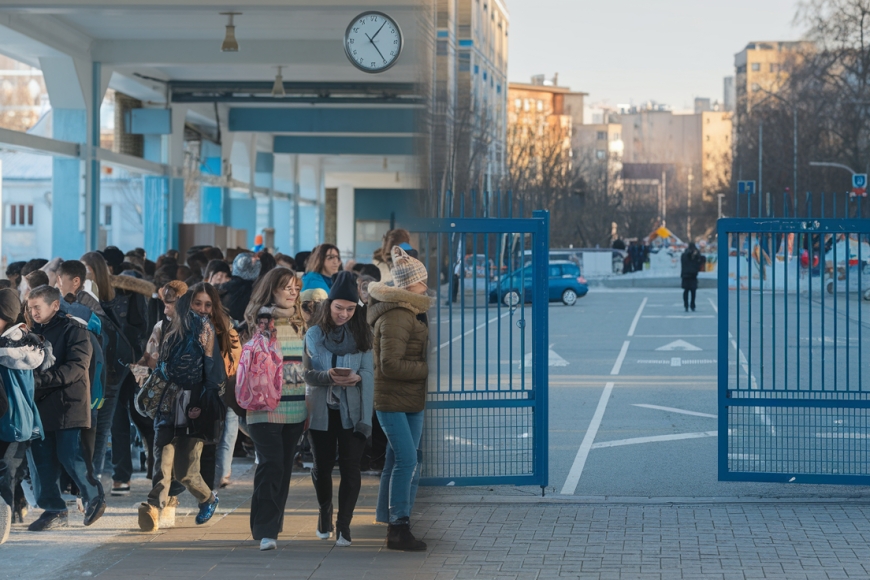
(128, 311)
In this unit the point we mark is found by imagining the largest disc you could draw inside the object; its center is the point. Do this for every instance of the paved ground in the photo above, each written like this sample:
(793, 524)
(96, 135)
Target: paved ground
(633, 493)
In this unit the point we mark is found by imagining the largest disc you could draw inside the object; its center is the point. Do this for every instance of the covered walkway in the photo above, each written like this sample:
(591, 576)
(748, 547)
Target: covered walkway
(325, 152)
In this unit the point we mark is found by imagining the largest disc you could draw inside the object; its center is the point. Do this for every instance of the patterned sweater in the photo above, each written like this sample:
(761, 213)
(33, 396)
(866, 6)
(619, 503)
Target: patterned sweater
(291, 409)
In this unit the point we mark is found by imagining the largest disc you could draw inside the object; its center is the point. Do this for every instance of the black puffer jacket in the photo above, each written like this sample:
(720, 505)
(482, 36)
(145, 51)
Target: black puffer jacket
(235, 296)
(63, 392)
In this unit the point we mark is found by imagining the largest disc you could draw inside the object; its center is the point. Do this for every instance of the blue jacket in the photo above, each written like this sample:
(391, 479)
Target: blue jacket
(313, 280)
(20, 353)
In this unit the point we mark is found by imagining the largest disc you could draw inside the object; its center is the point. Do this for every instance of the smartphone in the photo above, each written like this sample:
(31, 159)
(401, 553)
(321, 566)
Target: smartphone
(342, 371)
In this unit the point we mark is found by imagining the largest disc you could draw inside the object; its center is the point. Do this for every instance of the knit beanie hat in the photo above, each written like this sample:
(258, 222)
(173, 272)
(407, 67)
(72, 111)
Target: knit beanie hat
(313, 295)
(246, 266)
(10, 305)
(407, 270)
(344, 287)
(113, 256)
(178, 287)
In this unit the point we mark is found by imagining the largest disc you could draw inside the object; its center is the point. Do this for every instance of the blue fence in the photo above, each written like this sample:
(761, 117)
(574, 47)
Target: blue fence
(486, 413)
(794, 363)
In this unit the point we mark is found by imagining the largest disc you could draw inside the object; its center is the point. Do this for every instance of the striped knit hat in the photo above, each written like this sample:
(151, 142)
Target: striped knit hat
(406, 270)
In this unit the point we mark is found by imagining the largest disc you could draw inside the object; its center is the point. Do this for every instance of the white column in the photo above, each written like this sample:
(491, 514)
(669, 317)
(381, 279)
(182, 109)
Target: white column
(345, 231)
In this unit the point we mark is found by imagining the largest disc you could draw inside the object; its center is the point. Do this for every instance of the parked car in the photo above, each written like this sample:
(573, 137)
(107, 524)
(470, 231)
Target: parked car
(564, 283)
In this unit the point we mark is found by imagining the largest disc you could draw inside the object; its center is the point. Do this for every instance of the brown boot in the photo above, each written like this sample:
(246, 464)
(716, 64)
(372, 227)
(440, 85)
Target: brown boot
(149, 515)
(399, 537)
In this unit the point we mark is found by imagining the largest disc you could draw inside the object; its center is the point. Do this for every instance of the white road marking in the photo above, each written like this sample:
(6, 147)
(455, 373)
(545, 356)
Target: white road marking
(683, 361)
(675, 335)
(752, 382)
(583, 453)
(654, 439)
(674, 410)
(553, 359)
(618, 364)
(679, 345)
(478, 327)
(636, 317)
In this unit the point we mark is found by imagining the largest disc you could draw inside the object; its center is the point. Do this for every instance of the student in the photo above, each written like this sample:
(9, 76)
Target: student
(338, 392)
(63, 398)
(323, 264)
(276, 433)
(399, 316)
(20, 353)
(179, 433)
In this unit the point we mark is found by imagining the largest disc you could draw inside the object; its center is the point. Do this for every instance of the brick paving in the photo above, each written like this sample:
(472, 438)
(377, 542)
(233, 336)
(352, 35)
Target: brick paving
(488, 536)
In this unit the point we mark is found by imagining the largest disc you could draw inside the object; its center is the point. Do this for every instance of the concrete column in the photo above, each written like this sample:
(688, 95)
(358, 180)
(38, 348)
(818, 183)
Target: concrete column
(345, 230)
(67, 188)
(213, 198)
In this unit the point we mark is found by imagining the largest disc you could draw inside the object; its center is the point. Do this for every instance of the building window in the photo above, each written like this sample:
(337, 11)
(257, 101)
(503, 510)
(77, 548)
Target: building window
(756, 66)
(20, 216)
(107, 215)
(518, 104)
(540, 105)
(526, 105)
(772, 67)
(617, 136)
(602, 135)
(755, 87)
(600, 154)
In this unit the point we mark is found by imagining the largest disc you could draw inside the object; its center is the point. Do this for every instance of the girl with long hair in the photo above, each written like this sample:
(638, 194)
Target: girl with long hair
(217, 459)
(190, 346)
(339, 378)
(98, 275)
(276, 433)
(323, 264)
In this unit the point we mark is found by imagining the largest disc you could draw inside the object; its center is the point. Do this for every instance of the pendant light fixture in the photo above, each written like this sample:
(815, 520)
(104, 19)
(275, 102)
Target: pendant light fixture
(230, 43)
(278, 87)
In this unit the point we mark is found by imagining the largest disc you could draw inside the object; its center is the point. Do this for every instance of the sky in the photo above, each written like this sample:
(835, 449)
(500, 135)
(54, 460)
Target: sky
(632, 51)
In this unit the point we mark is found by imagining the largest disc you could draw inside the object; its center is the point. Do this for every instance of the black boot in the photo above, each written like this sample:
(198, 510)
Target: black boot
(399, 537)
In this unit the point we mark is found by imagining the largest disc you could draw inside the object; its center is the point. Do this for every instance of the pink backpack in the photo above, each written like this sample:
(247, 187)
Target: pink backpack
(261, 374)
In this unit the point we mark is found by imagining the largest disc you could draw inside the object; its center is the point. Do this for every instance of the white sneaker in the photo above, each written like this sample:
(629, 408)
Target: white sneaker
(5, 521)
(268, 544)
(342, 542)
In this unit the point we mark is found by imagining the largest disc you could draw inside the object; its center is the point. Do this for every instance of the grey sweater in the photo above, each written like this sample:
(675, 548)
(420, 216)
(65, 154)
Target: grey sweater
(356, 402)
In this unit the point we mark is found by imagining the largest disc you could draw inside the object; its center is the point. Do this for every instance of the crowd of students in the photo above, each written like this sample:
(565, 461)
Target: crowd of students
(286, 350)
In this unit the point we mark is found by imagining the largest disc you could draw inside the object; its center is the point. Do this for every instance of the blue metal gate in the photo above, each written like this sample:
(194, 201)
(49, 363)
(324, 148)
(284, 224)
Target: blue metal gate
(794, 364)
(486, 413)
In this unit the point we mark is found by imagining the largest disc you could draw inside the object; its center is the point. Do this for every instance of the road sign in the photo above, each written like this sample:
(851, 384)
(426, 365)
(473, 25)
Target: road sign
(859, 185)
(746, 187)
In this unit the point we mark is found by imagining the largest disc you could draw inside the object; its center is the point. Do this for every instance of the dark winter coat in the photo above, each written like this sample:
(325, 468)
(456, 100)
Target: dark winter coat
(129, 311)
(235, 296)
(401, 342)
(690, 263)
(63, 392)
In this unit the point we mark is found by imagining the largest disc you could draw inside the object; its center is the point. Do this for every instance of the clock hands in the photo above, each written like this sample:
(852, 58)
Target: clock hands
(379, 30)
(371, 39)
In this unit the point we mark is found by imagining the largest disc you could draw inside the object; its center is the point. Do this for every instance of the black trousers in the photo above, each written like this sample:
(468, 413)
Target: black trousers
(276, 449)
(350, 449)
(686, 293)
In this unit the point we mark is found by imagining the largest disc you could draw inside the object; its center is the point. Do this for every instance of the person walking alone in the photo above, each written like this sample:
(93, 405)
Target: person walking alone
(339, 389)
(401, 338)
(690, 263)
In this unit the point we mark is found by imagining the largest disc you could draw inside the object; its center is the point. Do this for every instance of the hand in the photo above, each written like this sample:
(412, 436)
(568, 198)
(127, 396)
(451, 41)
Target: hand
(343, 381)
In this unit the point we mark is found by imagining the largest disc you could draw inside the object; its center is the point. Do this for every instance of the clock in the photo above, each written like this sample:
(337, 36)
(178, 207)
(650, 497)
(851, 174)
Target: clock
(373, 42)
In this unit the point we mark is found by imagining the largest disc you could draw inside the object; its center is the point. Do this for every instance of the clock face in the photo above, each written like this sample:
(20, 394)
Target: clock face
(373, 42)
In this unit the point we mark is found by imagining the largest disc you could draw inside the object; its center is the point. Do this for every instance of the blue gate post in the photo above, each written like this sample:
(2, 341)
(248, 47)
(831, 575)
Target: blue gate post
(540, 338)
(724, 338)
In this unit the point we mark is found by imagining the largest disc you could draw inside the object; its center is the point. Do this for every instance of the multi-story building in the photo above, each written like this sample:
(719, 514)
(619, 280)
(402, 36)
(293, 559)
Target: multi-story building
(762, 68)
(600, 142)
(470, 119)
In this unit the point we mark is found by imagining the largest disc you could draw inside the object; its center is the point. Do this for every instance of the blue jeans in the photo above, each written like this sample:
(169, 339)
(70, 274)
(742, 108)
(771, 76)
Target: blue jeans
(382, 512)
(225, 447)
(60, 448)
(401, 476)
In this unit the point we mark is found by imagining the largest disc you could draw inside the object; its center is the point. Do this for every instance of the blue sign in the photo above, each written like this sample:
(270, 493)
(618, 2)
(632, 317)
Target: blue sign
(746, 187)
(859, 180)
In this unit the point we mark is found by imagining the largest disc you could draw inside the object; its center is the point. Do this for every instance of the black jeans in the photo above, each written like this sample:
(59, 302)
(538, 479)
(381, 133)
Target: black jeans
(350, 449)
(686, 293)
(13, 462)
(276, 449)
(125, 412)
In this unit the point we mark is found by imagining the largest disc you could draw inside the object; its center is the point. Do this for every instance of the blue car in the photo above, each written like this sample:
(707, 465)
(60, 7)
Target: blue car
(564, 283)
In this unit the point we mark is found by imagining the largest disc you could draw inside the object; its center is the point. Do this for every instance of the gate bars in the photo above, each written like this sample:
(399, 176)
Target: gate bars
(486, 412)
(794, 364)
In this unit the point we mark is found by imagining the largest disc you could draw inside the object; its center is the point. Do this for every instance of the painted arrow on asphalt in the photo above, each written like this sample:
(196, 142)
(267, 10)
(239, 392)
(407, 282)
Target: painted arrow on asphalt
(679, 345)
